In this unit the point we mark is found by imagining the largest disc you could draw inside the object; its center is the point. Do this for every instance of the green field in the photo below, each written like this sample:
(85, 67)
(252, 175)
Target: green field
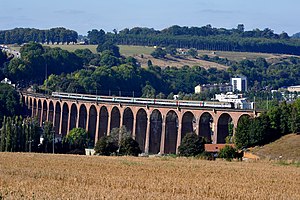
(129, 50)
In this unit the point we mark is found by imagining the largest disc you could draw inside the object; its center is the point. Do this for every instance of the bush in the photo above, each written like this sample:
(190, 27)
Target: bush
(129, 147)
(191, 145)
(228, 153)
(106, 146)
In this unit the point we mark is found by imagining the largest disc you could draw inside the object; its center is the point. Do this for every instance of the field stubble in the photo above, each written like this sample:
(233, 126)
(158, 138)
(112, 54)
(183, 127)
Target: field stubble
(41, 176)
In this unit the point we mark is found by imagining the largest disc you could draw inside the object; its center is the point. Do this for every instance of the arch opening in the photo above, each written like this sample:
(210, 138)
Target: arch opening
(128, 119)
(171, 132)
(51, 112)
(73, 117)
(103, 122)
(30, 107)
(92, 124)
(44, 113)
(34, 114)
(155, 132)
(82, 116)
(39, 113)
(188, 124)
(57, 117)
(206, 127)
(141, 128)
(65, 116)
(115, 118)
(225, 128)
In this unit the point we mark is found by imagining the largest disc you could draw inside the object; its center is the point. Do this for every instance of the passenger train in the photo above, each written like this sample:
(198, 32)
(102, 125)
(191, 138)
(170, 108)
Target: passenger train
(144, 101)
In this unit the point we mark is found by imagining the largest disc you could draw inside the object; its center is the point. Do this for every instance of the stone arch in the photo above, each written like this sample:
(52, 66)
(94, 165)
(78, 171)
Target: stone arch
(82, 116)
(171, 132)
(57, 117)
(92, 123)
(51, 112)
(44, 111)
(39, 113)
(141, 128)
(65, 120)
(206, 126)
(34, 114)
(115, 118)
(128, 119)
(73, 116)
(103, 122)
(188, 123)
(223, 128)
(155, 131)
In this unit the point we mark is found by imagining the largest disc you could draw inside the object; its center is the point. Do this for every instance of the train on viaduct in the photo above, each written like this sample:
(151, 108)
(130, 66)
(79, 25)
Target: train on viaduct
(157, 125)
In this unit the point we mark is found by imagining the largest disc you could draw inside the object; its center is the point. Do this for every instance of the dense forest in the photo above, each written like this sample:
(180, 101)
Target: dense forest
(25, 35)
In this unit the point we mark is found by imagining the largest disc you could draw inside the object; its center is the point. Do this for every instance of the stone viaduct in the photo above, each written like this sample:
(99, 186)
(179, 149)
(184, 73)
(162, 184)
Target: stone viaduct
(157, 129)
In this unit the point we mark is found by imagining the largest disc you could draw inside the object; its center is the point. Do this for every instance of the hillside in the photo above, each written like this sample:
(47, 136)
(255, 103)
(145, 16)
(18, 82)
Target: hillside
(288, 147)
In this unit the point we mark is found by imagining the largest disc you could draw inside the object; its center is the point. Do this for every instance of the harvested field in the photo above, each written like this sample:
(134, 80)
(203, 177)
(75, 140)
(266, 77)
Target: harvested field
(41, 176)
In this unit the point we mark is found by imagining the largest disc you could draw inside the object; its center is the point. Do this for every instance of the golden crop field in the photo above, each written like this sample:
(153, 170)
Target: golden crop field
(41, 176)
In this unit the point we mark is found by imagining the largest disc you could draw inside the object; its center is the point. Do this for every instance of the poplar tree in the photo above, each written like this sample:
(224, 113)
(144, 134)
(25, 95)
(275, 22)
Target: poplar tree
(3, 135)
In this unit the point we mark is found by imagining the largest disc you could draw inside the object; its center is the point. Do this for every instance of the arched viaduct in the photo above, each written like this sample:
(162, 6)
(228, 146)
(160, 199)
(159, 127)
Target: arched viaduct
(157, 129)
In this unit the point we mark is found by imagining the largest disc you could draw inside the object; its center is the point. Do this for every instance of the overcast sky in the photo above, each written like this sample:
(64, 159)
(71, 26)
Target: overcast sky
(84, 15)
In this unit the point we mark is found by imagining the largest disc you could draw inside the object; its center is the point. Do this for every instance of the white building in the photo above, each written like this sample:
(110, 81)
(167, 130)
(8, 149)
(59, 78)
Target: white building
(7, 81)
(237, 99)
(222, 87)
(295, 88)
(239, 83)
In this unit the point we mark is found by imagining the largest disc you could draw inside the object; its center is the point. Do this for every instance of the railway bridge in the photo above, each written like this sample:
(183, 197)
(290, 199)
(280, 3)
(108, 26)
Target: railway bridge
(157, 128)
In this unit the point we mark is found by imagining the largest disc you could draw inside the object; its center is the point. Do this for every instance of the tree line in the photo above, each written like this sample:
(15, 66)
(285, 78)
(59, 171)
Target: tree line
(26, 35)
(203, 38)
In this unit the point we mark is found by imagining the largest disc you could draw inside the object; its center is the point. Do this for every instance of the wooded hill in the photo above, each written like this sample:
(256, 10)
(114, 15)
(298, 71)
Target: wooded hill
(201, 38)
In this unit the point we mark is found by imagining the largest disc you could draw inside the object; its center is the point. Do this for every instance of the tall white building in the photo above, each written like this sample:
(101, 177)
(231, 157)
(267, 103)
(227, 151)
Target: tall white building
(239, 83)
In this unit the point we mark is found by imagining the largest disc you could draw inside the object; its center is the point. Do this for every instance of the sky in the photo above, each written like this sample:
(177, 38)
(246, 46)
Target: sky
(85, 15)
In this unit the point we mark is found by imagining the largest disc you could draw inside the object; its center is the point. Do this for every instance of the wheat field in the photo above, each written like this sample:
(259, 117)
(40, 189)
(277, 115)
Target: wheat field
(41, 176)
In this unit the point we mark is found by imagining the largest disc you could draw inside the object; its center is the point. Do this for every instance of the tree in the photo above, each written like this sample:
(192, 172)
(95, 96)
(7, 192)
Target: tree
(192, 52)
(148, 91)
(3, 136)
(96, 37)
(48, 136)
(77, 139)
(242, 138)
(9, 101)
(109, 46)
(191, 145)
(159, 53)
